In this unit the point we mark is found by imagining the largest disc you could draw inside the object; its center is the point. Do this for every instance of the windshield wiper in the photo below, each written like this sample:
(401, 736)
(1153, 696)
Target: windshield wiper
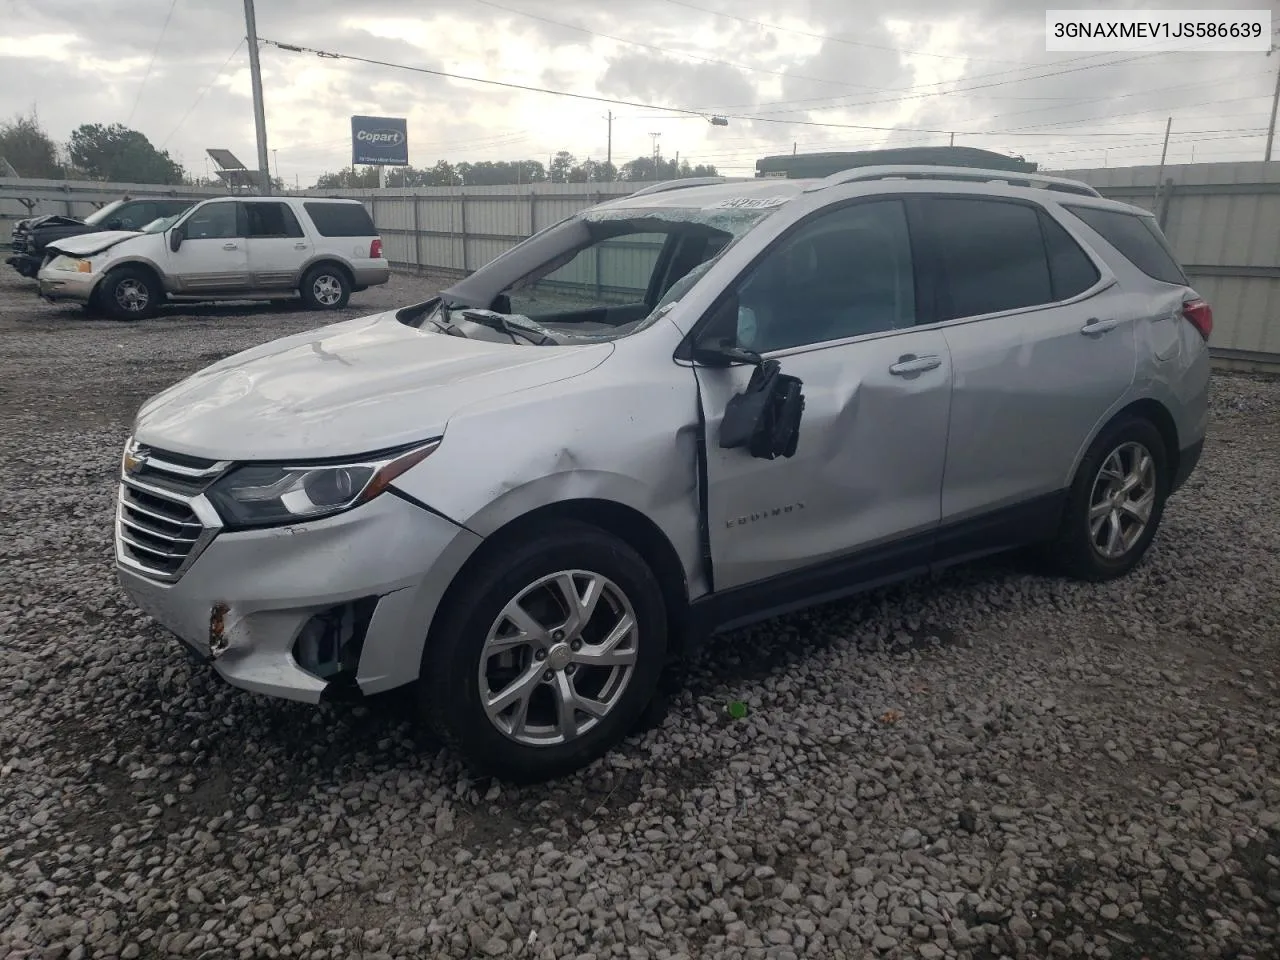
(446, 325)
(497, 321)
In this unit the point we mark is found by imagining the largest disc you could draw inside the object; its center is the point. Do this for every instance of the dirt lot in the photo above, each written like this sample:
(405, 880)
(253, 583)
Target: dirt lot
(991, 764)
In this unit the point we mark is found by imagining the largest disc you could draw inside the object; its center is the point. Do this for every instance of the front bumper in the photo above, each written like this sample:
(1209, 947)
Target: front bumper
(26, 264)
(66, 285)
(245, 600)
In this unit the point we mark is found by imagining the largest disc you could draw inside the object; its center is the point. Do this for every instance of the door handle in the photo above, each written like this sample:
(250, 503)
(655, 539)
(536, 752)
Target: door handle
(229, 246)
(910, 363)
(1099, 326)
(299, 246)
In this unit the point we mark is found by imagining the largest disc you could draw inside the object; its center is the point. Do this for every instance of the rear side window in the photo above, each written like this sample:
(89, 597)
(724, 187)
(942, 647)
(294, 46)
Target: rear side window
(1071, 272)
(1138, 238)
(993, 255)
(340, 219)
(272, 220)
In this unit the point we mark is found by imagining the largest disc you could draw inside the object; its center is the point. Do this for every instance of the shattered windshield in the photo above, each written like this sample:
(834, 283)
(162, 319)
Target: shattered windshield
(161, 224)
(606, 274)
(101, 214)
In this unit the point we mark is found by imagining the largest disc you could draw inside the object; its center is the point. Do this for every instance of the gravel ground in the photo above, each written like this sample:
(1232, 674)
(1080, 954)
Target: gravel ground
(990, 764)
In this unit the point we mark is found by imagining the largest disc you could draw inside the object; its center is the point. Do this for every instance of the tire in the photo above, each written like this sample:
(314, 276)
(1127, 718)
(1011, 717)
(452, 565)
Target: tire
(326, 287)
(1114, 462)
(456, 679)
(129, 293)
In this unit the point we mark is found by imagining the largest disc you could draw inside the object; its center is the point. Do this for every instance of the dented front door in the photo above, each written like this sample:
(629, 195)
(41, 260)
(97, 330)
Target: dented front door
(868, 468)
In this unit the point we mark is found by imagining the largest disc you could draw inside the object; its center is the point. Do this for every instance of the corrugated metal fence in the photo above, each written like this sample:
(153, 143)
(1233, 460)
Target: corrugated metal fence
(1222, 219)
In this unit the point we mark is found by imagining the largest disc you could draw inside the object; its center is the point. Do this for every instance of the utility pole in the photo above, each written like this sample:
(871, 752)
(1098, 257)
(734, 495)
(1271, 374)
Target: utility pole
(1155, 197)
(953, 139)
(609, 152)
(259, 114)
(1275, 99)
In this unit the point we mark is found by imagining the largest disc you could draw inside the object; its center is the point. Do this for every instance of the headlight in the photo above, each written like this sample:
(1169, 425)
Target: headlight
(71, 264)
(261, 495)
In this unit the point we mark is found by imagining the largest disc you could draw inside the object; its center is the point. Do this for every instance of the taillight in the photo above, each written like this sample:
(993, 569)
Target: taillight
(1201, 316)
(375, 249)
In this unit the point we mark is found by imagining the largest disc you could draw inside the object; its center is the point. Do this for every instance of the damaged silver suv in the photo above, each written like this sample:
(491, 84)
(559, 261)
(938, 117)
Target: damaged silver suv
(675, 413)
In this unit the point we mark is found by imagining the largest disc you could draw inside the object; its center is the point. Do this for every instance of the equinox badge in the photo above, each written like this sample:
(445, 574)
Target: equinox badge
(764, 515)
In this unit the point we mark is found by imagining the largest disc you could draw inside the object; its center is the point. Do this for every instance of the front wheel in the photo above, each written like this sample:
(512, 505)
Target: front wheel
(549, 656)
(326, 287)
(129, 293)
(1116, 502)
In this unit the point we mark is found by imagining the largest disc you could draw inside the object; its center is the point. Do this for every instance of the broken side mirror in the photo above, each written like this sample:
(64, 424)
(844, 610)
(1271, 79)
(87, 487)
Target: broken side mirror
(765, 417)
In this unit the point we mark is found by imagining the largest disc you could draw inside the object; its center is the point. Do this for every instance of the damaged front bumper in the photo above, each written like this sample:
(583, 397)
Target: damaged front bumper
(313, 611)
(26, 264)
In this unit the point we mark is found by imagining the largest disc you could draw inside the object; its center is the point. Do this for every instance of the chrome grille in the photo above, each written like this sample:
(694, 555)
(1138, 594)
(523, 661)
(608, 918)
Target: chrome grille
(163, 522)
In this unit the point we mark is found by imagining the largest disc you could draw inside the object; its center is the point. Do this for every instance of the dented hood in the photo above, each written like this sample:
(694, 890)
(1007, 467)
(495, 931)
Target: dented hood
(348, 388)
(87, 244)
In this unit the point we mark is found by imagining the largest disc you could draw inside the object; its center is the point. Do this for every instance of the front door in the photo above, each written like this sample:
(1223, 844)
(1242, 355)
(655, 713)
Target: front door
(835, 303)
(213, 256)
(1041, 353)
(277, 246)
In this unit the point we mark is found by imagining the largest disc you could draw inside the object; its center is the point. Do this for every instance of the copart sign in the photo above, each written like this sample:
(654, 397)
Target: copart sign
(380, 141)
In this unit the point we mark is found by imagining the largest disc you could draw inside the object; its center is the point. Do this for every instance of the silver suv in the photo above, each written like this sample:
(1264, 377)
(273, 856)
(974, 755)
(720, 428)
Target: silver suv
(675, 413)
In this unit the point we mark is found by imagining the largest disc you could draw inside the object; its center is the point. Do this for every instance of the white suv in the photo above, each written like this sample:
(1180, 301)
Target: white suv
(228, 248)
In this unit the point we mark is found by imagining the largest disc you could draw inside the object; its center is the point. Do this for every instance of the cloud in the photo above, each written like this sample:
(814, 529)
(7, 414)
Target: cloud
(980, 69)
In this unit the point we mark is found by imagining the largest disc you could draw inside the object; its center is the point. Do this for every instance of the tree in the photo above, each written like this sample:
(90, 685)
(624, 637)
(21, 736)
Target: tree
(122, 155)
(29, 149)
(561, 166)
(647, 169)
(349, 178)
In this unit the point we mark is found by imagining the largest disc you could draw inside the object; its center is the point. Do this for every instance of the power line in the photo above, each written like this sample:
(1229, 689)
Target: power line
(294, 48)
(200, 96)
(151, 62)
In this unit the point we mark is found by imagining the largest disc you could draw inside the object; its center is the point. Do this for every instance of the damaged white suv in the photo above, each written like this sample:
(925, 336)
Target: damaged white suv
(674, 413)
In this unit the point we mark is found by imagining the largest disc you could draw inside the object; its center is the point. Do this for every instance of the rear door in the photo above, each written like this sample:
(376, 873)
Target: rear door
(1042, 344)
(212, 256)
(277, 247)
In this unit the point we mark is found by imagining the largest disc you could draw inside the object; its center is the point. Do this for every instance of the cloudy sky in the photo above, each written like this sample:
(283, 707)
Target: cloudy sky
(816, 74)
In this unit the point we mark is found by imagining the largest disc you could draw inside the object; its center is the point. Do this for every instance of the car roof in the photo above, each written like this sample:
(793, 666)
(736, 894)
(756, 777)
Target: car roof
(702, 194)
(709, 195)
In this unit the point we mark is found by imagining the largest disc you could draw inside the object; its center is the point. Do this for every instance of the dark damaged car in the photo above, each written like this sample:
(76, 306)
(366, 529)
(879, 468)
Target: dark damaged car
(32, 236)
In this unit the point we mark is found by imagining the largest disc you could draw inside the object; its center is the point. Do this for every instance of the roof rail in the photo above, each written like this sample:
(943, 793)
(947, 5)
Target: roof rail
(664, 185)
(972, 174)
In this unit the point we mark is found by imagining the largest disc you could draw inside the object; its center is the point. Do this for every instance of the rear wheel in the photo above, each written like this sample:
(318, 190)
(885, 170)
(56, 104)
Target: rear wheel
(549, 656)
(129, 293)
(326, 287)
(1116, 502)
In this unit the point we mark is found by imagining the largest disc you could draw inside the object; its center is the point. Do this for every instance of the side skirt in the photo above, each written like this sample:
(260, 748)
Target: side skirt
(1022, 524)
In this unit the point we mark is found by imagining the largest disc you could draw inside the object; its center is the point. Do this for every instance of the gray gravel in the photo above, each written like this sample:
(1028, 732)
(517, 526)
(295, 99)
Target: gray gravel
(990, 764)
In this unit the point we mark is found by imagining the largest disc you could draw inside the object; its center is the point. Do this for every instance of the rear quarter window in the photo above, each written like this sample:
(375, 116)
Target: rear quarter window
(340, 219)
(1138, 238)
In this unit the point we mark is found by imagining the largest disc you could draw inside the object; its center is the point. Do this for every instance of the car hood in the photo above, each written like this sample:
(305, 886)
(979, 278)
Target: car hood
(87, 244)
(347, 388)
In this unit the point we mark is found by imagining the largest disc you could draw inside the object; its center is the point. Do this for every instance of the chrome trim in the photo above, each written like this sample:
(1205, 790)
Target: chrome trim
(175, 539)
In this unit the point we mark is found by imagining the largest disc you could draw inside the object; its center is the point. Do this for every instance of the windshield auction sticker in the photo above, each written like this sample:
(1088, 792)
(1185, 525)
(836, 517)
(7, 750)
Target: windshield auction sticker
(1203, 31)
(748, 203)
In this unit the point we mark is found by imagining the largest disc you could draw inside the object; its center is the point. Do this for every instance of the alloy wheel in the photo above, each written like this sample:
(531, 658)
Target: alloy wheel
(558, 658)
(327, 289)
(1122, 500)
(132, 295)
